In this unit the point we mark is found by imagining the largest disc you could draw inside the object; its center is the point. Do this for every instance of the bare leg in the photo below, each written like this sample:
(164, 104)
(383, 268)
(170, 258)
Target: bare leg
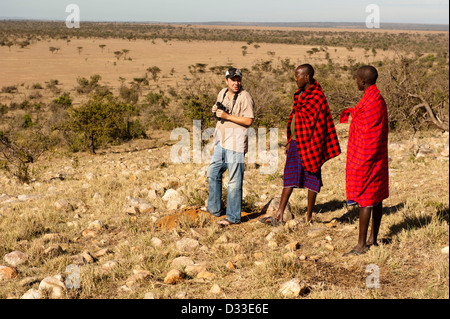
(311, 202)
(285, 195)
(377, 213)
(364, 219)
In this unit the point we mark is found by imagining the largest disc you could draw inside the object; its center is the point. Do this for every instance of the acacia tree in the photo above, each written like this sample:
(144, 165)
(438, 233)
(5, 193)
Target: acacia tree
(416, 91)
(19, 149)
(154, 71)
(125, 52)
(53, 50)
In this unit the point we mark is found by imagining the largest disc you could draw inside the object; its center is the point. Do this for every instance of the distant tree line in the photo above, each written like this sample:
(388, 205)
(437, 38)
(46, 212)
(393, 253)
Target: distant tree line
(20, 32)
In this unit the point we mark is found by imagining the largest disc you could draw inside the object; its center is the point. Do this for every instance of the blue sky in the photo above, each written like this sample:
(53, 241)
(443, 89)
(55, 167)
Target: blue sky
(392, 11)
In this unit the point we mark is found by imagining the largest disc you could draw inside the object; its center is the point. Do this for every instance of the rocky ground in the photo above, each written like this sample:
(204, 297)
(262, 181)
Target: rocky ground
(129, 223)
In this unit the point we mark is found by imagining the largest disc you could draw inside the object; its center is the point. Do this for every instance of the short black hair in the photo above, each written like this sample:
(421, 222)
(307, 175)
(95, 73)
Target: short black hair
(308, 69)
(369, 74)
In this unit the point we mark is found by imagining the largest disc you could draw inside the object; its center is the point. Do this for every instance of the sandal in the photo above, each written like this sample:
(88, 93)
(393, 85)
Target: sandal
(225, 222)
(355, 252)
(272, 221)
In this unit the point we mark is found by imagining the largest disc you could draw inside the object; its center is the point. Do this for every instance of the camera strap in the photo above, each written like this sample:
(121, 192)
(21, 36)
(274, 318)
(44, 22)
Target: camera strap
(234, 99)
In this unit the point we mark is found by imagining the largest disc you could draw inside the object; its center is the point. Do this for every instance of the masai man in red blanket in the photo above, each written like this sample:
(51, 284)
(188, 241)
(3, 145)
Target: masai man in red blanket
(367, 176)
(311, 141)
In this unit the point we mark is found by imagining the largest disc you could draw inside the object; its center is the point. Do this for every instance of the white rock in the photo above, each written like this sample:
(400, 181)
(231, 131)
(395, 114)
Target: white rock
(63, 204)
(26, 198)
(16, 258)
(97, 225)
(152, 194)
(138, 275)
(156, 242)
(55, 284)
(4, 198)
(294, 288)
(195, 269)
(271, 208)
(173, 199)
(273, 234)
(138, 206)
(444, 250)
(182, 262)
(32, 294)
(187, 244)
(109, 265)
(149, 295)
(216, 290)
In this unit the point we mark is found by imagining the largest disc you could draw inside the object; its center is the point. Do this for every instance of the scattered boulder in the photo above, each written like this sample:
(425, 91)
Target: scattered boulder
(206, 275)
(194, 269)
(27, 198)
(138, 275)
(16, 258)
(156, 242)
(216, 290)
(138, 206)
(294, 288)
(83, 258)
(316, 232)
(149, 295)
(182, 262)
(32, 294)
(50, 237)
(187, 244)
(173, 199)
(97, 225)
(55, 284)
(109, 265)
(7, 273)
(271, 208)
(53, 251)
(63, 205)
(173, 276)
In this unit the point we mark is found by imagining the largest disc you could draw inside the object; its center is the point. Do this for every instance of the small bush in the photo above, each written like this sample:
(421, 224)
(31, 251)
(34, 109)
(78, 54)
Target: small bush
(9, 89)
(64, 100)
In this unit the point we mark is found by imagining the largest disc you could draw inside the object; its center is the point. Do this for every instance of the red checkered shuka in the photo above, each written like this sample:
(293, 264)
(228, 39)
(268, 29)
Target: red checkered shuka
(317, 140)
(367, 171)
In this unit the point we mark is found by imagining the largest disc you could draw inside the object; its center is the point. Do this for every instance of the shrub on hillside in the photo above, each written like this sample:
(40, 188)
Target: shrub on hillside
(102, 120)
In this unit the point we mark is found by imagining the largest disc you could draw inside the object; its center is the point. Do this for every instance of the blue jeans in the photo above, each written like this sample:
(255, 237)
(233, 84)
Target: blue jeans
(223, 159)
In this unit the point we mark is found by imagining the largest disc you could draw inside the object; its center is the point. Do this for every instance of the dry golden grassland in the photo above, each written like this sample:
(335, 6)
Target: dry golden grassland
(249, 260)
(413, 232)
(36, 64)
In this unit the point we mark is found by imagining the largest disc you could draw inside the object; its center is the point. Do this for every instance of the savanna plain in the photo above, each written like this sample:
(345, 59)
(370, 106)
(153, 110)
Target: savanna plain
(94, 206)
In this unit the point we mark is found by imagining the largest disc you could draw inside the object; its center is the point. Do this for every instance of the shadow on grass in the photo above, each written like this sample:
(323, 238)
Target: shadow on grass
(353, 212)
(330, 206)
(417, 222)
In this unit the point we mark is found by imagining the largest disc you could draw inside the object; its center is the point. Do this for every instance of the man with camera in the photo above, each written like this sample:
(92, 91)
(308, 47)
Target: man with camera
(234, 113)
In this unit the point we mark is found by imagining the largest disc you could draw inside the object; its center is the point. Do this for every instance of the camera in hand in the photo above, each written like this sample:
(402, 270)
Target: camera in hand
(222, 107)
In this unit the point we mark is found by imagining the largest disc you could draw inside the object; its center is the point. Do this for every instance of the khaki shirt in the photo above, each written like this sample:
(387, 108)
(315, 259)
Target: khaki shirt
(233, 136)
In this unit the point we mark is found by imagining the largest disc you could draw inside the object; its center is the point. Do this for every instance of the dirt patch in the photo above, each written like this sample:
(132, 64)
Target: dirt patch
(195, 217)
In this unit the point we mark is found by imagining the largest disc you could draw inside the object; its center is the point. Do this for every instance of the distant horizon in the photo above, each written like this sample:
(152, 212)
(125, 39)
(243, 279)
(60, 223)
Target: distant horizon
(428, 12)
(318, 24)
